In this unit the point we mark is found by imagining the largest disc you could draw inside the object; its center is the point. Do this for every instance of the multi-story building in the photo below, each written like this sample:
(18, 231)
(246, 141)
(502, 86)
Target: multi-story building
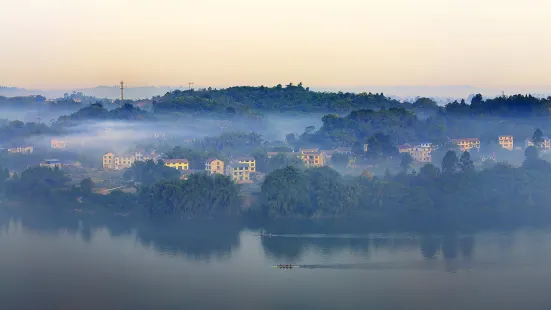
(239, 173)
(545, 145)
(58, 144)
(51, 163)
(178, 164)
(312, 159)
(123, 162)
(467, 144)
(214, 165)
(248, 161)
(21, 150)
(506, 142)
(109, 161)
(421, 154)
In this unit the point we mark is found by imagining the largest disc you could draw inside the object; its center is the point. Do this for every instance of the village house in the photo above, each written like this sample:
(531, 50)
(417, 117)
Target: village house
(214, 165)
(506, 142)
(111, 161)
(467, 144)
(248, 160)
(420, 153)
(58, 144)
(239, 172)
(51, 163)
(21, 150)
(178, 164)
(546, 144)
(312, 159)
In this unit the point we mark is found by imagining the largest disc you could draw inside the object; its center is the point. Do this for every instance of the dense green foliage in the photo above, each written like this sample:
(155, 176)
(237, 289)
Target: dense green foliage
(97, 111)
(505, 106)
(149, 172)
(458, 194)
(200, 195)
(364, 126)
(16, 131)
(289, 98)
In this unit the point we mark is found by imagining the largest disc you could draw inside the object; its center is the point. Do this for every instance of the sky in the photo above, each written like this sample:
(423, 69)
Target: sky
(53, 44)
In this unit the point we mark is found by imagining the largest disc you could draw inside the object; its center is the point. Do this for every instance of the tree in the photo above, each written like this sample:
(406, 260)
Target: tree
(449, 163)
(537, 139)
(465, 163)
(429, 172)
(86, 186)
(531, 154)
(406, 161)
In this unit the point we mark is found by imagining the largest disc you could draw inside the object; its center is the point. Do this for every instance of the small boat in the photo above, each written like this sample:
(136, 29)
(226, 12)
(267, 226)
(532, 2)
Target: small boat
(286, 266)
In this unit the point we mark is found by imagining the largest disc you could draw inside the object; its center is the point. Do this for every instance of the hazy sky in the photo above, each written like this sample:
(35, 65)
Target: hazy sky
(80, 43)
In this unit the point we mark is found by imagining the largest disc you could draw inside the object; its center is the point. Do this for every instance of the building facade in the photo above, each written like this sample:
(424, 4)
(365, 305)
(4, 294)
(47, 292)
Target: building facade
(239, 173)
(312, 159)
(247, 160)
(21, 150)
(467, 144)
(545, 145)
(51, 163)
(506, 142)
(213, 166)
(58, 144)
(178, 164)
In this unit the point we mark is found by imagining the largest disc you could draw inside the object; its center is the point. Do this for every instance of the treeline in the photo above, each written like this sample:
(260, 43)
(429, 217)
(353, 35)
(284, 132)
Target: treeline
(161, 191)
(245, 99)
(380, 129)
(516, 106)
(97, 111)
(450, 195)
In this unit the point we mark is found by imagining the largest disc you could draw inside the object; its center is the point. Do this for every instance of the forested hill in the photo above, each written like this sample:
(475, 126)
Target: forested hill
(278, 98)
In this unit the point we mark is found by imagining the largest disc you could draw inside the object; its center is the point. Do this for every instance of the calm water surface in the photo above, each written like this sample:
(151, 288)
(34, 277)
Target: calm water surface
(72, 262)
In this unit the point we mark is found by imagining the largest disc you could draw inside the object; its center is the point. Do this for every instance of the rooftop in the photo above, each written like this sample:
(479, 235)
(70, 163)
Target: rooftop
(244, 158)
(176, 161)
(465, 139)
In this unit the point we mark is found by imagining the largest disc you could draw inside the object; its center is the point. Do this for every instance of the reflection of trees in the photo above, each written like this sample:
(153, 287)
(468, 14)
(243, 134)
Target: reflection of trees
(194, 239)
(449, 246)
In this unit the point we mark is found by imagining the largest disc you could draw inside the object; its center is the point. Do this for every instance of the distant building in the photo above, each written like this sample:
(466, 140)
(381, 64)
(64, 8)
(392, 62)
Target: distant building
(366, 147)
(239, 173)
(111, 161)
(506, 142)
(58, 144)
(467, 144)
(178, 164)
(309, 150)
(51, 163)
(546, 144)
(312, 159)
(123, 162)
(21, 150)
(420, 153)
(248, 160)
(186, 173)
(214, 165)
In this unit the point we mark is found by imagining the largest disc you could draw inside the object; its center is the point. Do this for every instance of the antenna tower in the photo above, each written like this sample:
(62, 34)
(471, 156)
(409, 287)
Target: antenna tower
(190, 84)
(122, 92)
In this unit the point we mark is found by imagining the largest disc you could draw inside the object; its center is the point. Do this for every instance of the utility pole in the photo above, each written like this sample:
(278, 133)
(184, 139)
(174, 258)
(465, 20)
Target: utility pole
(190, 84)
(122, 92)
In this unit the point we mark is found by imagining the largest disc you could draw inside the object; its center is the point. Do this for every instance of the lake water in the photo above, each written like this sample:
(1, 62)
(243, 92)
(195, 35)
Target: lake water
(72, 262)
